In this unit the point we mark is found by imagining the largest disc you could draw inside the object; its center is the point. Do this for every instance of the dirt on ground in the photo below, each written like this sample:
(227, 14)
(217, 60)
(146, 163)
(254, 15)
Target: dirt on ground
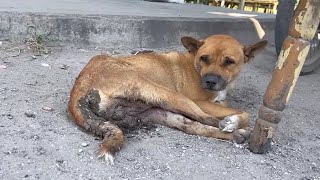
(38, 141)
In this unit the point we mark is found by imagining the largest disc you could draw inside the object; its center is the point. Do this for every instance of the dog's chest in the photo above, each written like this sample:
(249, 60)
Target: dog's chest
(221, 96)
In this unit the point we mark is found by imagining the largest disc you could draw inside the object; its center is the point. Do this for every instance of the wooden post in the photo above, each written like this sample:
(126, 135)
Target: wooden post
(290, 61)
(254, 7)
(222, 3)
(241, 4)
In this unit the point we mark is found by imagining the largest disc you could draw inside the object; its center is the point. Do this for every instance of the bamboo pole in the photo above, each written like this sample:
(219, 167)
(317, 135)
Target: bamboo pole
(294, 51)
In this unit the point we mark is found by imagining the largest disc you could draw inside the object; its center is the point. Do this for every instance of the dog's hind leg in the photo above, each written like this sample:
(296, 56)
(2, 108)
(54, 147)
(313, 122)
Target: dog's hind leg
(82, 114)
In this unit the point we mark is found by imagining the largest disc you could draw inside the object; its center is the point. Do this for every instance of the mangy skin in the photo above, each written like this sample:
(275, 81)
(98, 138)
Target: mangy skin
(184, 91)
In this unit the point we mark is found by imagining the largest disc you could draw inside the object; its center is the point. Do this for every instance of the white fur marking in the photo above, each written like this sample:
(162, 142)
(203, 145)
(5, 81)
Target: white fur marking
(104, 101)
(108, 158)
(222, 95)
(229, 123)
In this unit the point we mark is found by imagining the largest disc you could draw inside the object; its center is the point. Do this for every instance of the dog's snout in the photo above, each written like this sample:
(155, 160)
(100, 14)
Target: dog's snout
(213, 82)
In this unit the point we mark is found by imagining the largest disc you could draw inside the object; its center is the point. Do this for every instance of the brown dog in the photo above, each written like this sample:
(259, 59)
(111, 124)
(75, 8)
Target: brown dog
(179, 90)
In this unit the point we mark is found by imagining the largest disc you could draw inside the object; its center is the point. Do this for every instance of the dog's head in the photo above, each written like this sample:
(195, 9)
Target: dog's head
(218, 58)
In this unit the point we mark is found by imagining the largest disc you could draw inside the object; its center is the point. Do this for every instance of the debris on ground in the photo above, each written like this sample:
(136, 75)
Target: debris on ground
(48, 109)
(9, 116)
(30, 114)
(3, 66)
(18, 54)
(84, 144)
(64, 67)
(45, 65)
(115, 52)
(36, 41)
(141, 52)
(83, 50)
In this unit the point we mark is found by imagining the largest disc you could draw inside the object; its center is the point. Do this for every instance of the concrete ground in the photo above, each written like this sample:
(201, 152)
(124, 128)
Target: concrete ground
(38, 141)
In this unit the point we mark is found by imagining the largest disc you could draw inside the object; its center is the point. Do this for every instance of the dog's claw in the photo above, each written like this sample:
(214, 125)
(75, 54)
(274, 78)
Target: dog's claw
(229, 123)
(107, 157)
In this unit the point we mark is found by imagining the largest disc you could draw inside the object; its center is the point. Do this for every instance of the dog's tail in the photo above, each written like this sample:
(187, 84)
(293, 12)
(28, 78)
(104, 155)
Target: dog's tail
(80, 111)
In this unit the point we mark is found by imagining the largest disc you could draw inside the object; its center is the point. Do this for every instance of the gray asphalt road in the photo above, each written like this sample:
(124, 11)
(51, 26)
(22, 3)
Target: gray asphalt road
(39, 144)
(121, 7)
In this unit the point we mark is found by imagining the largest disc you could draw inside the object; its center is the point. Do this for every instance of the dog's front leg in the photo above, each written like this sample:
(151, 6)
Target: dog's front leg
(178, 103)
(177, 121)
(231, 119)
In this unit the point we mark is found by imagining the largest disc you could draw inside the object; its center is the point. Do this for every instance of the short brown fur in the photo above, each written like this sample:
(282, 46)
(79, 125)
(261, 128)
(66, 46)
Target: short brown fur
(178, 89)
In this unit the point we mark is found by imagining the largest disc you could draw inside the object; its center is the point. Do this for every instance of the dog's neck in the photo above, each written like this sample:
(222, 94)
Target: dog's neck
(190, 57)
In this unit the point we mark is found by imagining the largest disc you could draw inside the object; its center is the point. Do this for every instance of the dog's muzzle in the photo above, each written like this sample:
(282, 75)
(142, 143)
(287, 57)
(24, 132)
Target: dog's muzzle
(213, 82)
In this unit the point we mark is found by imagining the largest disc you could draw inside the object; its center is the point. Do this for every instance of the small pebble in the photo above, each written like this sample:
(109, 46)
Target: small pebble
(64, 67)
(83, 50)
(30, 114)
(3, 67)
(115, 52)
(45, 65)
(9, 116)
(84, 144)
(60, 161)
(47, 109)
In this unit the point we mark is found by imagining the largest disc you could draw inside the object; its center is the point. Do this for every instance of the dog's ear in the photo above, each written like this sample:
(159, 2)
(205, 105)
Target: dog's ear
(252, 50)
(191, 44)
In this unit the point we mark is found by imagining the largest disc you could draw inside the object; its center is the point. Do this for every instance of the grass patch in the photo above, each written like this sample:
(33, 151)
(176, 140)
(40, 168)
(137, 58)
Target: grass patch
(37, 41)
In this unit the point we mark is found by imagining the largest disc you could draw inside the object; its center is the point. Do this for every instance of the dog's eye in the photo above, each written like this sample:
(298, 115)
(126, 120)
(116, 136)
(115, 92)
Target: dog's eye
(204, 58)
(228, 61)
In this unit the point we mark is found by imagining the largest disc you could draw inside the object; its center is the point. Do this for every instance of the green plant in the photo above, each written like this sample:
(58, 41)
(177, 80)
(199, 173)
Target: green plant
(37, 41)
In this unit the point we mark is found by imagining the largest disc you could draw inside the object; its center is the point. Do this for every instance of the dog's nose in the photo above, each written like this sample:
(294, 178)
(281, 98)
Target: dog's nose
(213, 82)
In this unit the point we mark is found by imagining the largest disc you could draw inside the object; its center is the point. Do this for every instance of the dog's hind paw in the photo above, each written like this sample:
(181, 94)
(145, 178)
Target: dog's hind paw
(229, 123)
(241, 135)
(108, 157)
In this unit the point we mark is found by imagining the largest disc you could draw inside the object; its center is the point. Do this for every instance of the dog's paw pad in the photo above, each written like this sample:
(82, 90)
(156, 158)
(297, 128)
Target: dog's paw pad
(241, 135)
(229, 123)
(108, 157)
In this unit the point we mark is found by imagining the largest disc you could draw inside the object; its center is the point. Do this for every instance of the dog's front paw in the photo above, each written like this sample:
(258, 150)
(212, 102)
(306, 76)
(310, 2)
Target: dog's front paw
(241, 135)
(108, 157)
(229, 123)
